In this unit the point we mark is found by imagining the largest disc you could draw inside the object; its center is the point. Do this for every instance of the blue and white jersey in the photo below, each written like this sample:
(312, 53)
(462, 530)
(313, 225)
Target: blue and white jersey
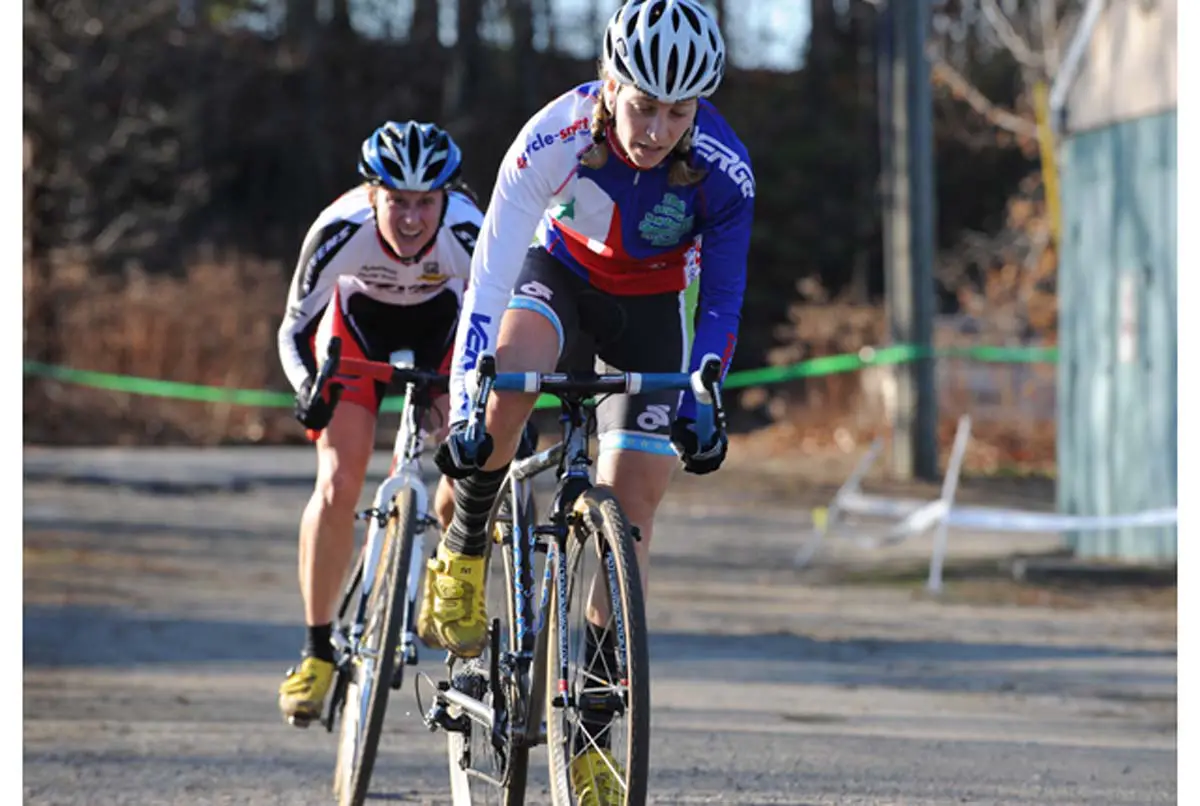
(624, 229)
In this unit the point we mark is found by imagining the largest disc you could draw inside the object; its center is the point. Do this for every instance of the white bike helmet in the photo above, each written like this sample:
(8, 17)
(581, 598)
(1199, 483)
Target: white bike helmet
(670, 49)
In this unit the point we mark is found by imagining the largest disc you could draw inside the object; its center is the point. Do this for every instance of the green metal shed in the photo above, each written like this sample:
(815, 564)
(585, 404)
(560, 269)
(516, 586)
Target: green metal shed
(1117, 405)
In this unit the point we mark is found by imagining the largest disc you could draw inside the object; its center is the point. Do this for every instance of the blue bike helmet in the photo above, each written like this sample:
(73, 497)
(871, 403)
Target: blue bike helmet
(410, 156)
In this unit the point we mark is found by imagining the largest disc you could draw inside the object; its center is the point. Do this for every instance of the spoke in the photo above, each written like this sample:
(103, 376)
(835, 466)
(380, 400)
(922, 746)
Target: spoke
(592, 745)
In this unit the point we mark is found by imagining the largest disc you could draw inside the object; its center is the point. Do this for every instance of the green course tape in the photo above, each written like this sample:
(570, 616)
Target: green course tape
(1004, 355)
(156, 388)
(814, 367)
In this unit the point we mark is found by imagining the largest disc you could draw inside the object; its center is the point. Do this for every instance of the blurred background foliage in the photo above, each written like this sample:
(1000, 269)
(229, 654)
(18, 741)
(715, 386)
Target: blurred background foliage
(175, 152)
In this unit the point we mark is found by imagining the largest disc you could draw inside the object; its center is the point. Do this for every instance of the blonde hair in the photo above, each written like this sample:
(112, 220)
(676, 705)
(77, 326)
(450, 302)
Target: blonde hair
(681, 172)
(459, 185)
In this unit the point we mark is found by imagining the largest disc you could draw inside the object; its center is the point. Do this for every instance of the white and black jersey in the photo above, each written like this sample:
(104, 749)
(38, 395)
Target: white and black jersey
(345, 241)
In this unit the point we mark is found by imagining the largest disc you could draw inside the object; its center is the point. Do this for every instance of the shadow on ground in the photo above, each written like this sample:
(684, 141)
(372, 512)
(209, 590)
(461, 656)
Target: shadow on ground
(917, 664)
(82, 636)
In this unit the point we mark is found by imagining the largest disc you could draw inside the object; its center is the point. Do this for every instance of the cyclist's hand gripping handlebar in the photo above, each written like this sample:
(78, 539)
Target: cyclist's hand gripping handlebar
(702, 443)
(468, 445)
(314, 408)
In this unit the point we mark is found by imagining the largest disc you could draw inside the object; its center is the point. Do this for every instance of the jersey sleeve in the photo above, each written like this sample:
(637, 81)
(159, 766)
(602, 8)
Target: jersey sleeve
(463, 221)
(312, 286)
(724, 247)
(524, 186)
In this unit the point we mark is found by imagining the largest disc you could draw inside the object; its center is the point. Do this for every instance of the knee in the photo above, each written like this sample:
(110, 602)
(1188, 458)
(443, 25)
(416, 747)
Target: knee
(338, 491)
(639, 502)
(443, 503)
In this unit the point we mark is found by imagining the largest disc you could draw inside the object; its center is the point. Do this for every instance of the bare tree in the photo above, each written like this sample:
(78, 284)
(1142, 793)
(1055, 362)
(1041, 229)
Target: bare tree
(300, 20)
(543, 15)
(721, 7)
(520, 18)
(466, 66)
(339, 22)
(969, 32)
(425, 23)
(598, 13)
(1017, 263)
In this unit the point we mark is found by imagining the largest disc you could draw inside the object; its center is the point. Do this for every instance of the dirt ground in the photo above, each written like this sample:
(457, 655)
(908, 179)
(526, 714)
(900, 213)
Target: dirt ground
(160, 611)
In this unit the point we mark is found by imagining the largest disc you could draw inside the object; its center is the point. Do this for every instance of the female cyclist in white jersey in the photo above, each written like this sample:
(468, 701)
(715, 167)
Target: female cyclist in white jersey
(628, 187)
(383, 267)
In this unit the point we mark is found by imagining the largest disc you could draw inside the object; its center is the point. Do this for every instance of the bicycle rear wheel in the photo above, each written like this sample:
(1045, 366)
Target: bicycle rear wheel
(371, 664)
(606, 701)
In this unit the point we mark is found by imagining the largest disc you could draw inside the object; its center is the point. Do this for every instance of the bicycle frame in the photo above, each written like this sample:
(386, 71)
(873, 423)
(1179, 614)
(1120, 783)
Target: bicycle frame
(404, 472)
(572, 458)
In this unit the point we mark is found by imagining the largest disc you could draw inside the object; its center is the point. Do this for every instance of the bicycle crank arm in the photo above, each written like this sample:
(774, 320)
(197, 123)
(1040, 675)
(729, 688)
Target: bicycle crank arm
(472, 706)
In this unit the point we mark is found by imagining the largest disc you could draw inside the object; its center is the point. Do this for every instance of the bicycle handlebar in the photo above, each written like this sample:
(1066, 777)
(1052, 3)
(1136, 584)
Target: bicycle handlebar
(380, 371)
(386, 373)
(704, 382)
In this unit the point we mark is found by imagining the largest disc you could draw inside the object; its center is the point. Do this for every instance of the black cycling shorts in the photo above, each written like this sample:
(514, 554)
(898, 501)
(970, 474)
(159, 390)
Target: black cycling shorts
(373, 330)
(611, 333)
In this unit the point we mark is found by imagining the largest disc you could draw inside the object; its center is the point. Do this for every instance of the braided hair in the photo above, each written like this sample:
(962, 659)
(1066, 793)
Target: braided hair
(681, 172)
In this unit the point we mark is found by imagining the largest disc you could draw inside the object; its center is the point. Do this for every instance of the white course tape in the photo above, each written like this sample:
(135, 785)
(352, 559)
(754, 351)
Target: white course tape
(913, 516)
(1003, 520)
(997, 520)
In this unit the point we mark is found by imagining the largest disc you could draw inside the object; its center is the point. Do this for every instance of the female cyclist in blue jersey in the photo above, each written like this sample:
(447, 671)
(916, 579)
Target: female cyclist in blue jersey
(628, 188)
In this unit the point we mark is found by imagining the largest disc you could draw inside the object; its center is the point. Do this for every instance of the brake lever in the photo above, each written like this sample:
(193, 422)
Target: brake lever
(485, 376)
(710, 411)
(329, 369)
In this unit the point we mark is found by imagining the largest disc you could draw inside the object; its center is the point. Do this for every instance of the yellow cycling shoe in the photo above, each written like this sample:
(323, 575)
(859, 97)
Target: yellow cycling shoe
(453, 611)
(597, 780)
(425, 629)
(302, 694)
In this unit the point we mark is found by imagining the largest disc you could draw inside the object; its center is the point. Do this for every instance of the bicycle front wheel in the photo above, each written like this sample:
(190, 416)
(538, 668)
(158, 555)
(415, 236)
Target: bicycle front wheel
(598, 685)
(372, 662)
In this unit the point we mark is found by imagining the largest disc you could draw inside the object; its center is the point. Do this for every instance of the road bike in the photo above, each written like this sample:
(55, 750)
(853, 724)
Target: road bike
(373, 636)
(541, 678)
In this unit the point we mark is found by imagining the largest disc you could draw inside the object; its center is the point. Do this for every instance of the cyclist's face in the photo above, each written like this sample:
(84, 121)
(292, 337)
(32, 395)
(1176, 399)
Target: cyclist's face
(408, 219)
(648, 129)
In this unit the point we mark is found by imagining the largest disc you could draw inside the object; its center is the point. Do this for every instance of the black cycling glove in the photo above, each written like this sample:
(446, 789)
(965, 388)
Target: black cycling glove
(697, 459)
(458, 456)
(315, 413)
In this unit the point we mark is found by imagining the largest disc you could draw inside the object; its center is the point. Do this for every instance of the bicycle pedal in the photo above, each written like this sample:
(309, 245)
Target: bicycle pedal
(298, 721)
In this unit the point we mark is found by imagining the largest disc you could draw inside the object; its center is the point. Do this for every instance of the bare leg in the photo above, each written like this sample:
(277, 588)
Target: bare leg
(639, 481)
(327, 527)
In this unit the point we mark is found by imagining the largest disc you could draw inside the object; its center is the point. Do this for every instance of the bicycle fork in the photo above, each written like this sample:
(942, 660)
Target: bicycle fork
(348, 643)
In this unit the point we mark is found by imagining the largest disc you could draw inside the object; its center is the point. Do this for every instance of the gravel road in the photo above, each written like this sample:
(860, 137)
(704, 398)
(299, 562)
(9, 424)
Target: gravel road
(161, 609)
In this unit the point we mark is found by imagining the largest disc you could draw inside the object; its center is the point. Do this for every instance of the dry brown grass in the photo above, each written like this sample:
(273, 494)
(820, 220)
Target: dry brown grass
(214, 325)
(1011, 405)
